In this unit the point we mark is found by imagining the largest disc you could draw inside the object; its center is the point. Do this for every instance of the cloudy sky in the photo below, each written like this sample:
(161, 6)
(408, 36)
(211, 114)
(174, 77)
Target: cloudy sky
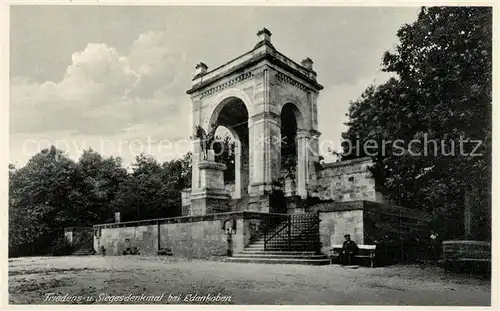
(114, 78)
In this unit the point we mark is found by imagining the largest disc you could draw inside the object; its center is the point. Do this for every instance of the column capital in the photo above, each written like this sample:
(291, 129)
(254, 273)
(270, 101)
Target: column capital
(315, 134)
(303, 134)
(264, 115)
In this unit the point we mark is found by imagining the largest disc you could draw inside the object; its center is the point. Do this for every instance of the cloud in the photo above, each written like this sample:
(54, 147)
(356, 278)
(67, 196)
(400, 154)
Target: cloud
(103, 92)
(130, 85)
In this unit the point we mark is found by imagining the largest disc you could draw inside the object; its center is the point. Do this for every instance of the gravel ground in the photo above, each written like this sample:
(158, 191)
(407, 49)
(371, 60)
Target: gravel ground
(104, 280)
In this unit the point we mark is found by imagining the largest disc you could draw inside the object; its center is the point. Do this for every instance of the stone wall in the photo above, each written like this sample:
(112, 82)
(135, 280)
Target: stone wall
(117, 239)
(194, 239)
(347, 181)
(334, 225)
(368, 222)
(193, 236)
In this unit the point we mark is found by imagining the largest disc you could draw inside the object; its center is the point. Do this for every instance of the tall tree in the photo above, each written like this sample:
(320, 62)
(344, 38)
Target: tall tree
(153, 190)
(39, 202)
(440, 100)
(98, 182)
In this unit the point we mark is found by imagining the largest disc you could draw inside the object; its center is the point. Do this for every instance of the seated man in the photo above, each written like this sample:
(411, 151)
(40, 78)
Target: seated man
(349, 250)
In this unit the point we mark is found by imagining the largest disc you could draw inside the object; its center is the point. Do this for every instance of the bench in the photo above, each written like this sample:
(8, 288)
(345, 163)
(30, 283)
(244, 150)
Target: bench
(164, 252)
(364, 252)
(131, 251)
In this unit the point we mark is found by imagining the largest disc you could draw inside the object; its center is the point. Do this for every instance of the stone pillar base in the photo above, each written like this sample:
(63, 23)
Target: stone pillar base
(210, 201)
(211, 197)
(257, 189)
(259, 203)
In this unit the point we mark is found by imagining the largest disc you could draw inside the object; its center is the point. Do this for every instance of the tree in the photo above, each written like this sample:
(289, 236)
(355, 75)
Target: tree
(39, 201)
(153, 190)
(98, 180)
(440, 98)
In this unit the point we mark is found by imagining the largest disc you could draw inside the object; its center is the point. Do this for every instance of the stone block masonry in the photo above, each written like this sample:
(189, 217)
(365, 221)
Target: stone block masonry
(347, 181)
(367, 222)
(200, 236)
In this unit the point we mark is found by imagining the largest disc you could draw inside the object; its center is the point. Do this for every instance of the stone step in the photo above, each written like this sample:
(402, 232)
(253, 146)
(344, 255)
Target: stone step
(299, 241)
(277, 249)
(280, 245)
(84, 252)
(278, 252)
(285, 240)
(280, 249)
(293, 261)
(284, 256)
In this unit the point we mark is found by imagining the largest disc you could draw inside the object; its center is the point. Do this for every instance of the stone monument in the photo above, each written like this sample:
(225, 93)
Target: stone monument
(211, 197)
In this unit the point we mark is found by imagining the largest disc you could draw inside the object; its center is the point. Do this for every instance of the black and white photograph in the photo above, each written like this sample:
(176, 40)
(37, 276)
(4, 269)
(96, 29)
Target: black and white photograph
(333, 154)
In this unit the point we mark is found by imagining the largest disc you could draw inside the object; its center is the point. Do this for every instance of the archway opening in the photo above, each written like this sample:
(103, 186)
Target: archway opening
(224, 150)
(289, 149)
(231, 119)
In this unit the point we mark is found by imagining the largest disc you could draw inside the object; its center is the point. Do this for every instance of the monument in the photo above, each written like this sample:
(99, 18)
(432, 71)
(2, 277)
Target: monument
(268, 103)
(251, 96)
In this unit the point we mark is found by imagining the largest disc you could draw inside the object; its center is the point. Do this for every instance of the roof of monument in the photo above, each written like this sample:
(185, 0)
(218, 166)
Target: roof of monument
(263, 50)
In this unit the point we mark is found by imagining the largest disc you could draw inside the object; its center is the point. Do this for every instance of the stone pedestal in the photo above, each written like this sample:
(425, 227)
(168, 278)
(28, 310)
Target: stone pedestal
(211, 197)
(259, 203)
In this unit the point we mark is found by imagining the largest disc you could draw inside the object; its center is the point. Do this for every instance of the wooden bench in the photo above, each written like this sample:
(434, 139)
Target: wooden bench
(364, 252)
(164, 252)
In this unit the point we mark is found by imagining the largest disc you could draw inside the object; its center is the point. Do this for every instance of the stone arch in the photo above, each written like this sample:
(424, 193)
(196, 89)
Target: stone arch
(222, 100)
(232, 113)
(300, 114)
(290, 122)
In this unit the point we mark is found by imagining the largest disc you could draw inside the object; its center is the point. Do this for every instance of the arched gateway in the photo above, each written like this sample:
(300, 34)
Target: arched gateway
(268, 103)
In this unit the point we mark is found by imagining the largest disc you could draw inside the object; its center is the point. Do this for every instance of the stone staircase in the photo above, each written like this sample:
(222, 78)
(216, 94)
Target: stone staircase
(83, 245)
(289, 242)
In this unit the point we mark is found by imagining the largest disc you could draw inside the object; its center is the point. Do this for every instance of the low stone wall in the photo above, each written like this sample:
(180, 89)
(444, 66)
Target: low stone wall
(193, 236)
(368, 222)
(334, 225)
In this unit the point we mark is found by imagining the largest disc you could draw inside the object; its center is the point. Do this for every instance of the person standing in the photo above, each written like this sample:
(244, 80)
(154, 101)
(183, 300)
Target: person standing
(349, 250)
(435, 246)
(229, 237)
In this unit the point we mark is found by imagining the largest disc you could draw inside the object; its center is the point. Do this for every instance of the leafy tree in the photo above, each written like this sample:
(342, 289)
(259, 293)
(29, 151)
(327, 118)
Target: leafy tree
(440, 98)
(153, 190)
(39, 201)
(98, 181)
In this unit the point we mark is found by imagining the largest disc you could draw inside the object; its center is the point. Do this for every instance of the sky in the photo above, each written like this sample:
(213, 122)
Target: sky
(115, 78)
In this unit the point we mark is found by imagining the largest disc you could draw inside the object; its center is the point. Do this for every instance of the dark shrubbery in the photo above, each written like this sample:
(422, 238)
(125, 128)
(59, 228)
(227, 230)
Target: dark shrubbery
(62, 247)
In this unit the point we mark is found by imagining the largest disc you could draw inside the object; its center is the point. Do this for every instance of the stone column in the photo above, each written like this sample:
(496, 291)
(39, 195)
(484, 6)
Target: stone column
(264, 129)
(196, 158)
(313, 151)
(265, 154)
(237, 170)
(303, 138)
(117, 217)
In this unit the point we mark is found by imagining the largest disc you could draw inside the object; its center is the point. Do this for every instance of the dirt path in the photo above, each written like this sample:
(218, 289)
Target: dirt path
(95, 279)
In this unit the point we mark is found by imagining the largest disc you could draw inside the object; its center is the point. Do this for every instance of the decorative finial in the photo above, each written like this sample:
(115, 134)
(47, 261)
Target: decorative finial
(307, 63)
(201, 69)
(264, 35)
